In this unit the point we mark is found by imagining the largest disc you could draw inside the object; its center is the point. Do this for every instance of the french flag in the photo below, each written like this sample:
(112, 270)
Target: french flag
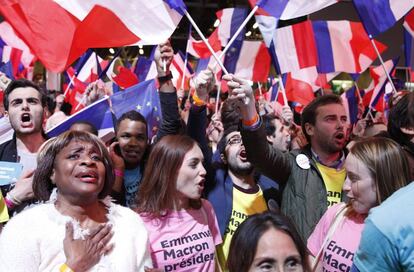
(409, 39)
(300, 85)
(380, 15)
(351, 101)
(59, 31)
(343, 46)
(178, 73)
(230, 20)
(146, 68)
(292, 47)
(10, 38)
(286, 10)
(199, 49)
(253, 62)
(374, 94)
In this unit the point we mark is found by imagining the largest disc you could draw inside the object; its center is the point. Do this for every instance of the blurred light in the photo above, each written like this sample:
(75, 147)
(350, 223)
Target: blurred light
(256, 25)
(111, 50)
(216, 23)
(141, 51)
(140, 46)
(248, 33)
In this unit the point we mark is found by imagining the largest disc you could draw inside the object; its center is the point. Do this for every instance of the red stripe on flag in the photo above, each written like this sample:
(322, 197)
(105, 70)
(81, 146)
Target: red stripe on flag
(305, 44)
(261, 65)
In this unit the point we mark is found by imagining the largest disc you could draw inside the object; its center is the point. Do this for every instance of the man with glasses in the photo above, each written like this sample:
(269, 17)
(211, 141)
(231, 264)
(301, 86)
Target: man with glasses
(233, 187)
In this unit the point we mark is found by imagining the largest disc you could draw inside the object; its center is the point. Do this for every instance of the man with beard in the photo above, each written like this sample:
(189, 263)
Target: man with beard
(312, 176)
(24, 103)
(232, 187)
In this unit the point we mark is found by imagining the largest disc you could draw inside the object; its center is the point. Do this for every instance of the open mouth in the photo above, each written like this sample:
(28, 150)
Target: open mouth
(340, 136)
(25, 117)
(243, 155)
(88, 177)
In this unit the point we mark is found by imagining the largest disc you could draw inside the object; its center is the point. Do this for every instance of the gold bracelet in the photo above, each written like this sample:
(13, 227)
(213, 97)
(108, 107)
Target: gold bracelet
(65, 268)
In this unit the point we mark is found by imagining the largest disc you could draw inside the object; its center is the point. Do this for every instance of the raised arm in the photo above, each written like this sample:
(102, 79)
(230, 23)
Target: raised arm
(271, 162)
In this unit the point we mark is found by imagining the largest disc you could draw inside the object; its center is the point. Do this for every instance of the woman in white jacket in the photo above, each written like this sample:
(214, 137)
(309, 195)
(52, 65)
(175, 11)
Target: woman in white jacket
(78, 228)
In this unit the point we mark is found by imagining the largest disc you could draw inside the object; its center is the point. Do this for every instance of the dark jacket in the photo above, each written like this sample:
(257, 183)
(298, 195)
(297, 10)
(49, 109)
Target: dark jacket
(304, 198)
(219, 185)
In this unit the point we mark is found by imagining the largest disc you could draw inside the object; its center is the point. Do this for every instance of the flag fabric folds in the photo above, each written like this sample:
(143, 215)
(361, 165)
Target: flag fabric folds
(60, 31)
(289, 9)
(143, 98)
(379, 15)
(374, 94)
(97, 114)
(293, 47)
(253, 62)
(343, 46)
(230, 20)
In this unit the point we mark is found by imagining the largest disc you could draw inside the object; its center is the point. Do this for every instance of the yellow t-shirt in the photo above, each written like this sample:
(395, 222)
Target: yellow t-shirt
(4, 215)
(334, 180)
(244, 205)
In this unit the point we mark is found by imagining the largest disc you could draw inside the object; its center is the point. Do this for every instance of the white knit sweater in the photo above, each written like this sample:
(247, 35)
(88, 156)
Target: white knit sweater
(33, 241)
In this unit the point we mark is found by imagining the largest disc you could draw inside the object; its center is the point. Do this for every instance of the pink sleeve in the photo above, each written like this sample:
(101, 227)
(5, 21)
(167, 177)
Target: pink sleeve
(317, 237)
(212, 222)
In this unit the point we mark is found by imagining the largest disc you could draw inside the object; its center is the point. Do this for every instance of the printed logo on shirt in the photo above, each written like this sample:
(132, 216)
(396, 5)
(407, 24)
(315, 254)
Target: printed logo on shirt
(235, 220)
(333, 197)
(187, 250)
(333, 257)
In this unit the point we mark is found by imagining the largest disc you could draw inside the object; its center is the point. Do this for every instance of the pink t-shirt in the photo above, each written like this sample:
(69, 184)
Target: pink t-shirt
(339, 251)
(184, 240)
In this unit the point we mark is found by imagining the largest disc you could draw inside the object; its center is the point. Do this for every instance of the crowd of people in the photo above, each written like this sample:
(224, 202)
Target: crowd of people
(245, 188)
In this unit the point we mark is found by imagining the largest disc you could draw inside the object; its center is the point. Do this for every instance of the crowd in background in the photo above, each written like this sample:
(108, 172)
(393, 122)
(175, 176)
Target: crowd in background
(253, 186)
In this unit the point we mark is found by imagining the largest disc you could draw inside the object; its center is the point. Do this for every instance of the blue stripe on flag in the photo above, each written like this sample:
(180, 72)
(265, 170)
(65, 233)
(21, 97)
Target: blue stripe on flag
(376, 16)
(232, 56)
(352, 105)
(97, 114)
(202, 65)
(324, 46)
(237, 18)
(275, 61)
(275, 8)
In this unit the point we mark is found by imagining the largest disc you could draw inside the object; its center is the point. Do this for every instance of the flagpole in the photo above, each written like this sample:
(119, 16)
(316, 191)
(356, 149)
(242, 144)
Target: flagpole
(285, 100)
(218, 95)
(227, 47)
(382, 63)
(69, 85)
(205, 41)
(185, 62)
(260, 88)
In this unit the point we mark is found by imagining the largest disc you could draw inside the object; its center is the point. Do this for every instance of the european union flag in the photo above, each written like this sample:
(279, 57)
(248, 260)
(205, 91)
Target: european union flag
(143, 98)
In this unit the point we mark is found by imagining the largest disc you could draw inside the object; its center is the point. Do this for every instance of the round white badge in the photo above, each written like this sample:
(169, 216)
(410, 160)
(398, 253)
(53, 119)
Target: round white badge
(303, 161)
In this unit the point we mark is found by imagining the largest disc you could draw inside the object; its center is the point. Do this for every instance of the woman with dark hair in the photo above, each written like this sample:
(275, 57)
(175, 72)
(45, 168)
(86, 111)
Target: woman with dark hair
(78, 228)
(267, 242)
(183, 229)
(376, 168)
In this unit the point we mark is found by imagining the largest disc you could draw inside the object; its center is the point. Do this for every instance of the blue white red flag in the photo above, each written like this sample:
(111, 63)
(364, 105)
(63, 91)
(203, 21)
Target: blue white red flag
(379, 15)
(409, 39)
(230, 21)
(343, 46)
(374, 94)
(59, 31)
(350, 100)
(253, 62)
(289, 9)
(97, 114)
